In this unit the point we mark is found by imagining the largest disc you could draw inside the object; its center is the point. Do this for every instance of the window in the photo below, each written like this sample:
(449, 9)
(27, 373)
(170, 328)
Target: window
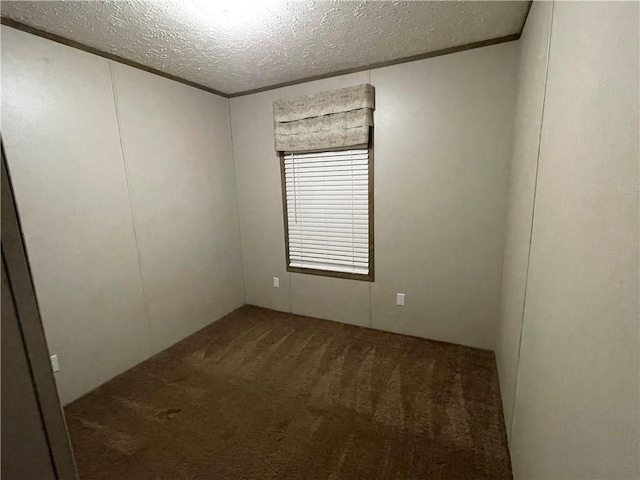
(328, 213)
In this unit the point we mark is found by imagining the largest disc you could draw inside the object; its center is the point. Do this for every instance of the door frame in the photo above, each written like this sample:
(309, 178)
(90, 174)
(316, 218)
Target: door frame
(14, 256)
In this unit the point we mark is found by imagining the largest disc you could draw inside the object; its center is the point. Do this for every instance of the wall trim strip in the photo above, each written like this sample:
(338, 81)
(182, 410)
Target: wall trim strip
(397, 61)
(436, 53)
(80, 46)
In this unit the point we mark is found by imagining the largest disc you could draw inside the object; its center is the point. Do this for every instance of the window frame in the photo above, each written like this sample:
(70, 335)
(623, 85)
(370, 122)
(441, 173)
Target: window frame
(370, 277)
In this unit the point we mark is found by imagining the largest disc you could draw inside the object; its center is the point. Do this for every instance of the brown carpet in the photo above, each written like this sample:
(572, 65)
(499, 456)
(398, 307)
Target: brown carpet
(268, 395)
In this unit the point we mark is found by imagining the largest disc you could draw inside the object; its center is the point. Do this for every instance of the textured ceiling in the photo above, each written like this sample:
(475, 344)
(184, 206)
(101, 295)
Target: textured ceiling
(239, 45)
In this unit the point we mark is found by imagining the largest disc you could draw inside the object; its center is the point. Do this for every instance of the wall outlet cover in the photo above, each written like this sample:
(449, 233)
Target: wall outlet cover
(276, 282)
(400, 299)
(54, 363)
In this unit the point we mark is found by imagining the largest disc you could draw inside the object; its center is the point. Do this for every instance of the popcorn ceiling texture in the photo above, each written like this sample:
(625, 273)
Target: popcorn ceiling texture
(234, 46)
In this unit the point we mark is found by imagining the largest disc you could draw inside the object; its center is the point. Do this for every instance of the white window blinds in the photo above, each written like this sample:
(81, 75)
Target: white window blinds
(327, 200)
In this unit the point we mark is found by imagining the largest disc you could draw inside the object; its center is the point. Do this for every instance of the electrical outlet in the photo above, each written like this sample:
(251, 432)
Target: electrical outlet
(54, 363)
(276, 282)
(400, 299)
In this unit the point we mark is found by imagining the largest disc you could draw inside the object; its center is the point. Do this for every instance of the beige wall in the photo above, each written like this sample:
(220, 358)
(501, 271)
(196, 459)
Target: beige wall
(102, 310)
(60, 132)
(442, 149)
(177, 149)
(442, 146)
(532, 70)
(577, 399)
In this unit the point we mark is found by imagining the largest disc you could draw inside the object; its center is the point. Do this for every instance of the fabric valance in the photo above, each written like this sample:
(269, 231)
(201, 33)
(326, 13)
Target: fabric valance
(326, 120)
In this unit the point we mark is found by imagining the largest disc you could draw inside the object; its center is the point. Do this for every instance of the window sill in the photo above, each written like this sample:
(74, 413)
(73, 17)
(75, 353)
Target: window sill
(328, 273)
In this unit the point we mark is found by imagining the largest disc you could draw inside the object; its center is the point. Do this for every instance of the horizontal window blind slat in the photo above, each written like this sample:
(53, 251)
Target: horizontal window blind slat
(342, 256)
(318, 256)
(361, 249)
(321, 245)
(303, 223)
(325, 242)
(334, 158)
(328, 178)
(320, 233)
(306, 249)
(309, 233)
(302, 181)
(335, 230)
(326, 168)
(322, 171)
(343, 156)
(297, 239)
(335, 207)
(334, 153)
(328, 162)
(329, 258)
(320, 195)
(318, 191)
(303, 226)
(315, 183)
(335, 268)
(341, 165)
(330, 261)
(328, 214)
(331, 243)
(357, 256)
(311, 239)
(311, 224)
(332, 208)
(336, 162)
(305, 157)
(347, 198)
(360, 163)
(302, 218)
(329, 210)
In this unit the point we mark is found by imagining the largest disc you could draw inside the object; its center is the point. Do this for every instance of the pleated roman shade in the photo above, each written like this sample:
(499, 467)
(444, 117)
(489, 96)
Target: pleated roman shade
(324, 121)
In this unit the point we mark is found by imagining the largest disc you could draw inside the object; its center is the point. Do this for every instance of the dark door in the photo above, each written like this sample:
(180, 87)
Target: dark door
(34, 440)
(25, 450)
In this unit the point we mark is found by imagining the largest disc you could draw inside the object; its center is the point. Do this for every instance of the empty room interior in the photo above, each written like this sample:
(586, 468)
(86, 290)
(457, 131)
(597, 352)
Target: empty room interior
(259, 240)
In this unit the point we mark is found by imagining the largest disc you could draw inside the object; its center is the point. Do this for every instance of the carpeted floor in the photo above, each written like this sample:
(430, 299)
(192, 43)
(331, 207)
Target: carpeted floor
(268, 395)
